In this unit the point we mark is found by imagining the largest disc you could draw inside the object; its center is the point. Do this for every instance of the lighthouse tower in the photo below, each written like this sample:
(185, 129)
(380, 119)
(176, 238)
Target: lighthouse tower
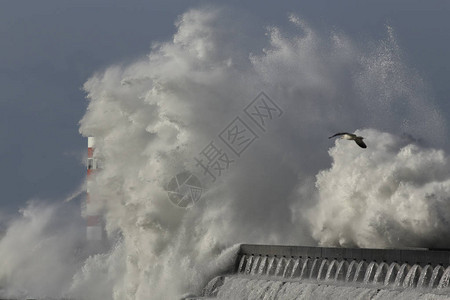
(94, 230)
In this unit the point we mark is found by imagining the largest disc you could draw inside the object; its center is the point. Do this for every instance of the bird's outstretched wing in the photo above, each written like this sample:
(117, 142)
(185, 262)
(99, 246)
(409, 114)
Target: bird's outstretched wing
(338, 134)
(361, 143)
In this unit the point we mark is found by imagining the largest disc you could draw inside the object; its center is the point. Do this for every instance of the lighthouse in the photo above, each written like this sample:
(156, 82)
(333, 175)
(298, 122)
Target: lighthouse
(94, 230)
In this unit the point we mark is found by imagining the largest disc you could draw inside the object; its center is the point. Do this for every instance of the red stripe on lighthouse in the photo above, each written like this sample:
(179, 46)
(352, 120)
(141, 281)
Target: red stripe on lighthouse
(93, 221)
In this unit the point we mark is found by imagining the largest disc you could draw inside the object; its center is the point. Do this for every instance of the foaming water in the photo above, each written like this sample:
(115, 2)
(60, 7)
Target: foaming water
(251, 288)
(152, 118)
(393, 194)
(340, 281)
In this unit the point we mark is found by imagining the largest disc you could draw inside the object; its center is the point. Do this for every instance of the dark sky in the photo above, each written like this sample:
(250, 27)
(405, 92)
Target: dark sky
(50, 48)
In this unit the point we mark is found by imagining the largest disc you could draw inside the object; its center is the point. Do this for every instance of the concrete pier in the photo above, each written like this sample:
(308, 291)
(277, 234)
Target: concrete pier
(372, 271)
(420, 256)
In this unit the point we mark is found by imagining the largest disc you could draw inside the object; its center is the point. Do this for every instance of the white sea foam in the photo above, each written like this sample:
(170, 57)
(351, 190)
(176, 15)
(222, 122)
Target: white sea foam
(394, 194)
(247, 288)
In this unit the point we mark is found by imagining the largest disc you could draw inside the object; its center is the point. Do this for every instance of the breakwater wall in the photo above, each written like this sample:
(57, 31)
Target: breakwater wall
(285, 270)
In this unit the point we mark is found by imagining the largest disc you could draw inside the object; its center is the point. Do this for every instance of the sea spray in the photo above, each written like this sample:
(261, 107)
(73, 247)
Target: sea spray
(152, 118)
(392, 194)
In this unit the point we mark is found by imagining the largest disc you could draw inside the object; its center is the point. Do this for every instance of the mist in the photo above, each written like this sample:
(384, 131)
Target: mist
(41, 250)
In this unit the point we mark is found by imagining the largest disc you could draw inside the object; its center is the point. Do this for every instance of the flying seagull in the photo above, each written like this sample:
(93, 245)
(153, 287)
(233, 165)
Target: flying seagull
(351, 136)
